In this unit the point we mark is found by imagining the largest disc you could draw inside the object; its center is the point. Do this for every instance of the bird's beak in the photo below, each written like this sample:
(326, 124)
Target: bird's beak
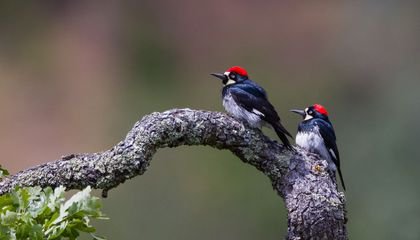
(300, 112)
(220, 75)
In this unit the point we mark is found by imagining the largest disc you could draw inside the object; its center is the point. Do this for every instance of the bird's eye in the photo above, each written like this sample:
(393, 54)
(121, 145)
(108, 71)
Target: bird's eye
(310, 112)
(232, 76)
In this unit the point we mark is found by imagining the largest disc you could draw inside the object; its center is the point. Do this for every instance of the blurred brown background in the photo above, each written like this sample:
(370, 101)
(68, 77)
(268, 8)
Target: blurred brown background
(76, 75)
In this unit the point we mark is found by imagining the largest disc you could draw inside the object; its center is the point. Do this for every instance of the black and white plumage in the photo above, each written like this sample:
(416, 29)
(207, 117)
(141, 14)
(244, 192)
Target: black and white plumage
(248, 102)
(316, 134)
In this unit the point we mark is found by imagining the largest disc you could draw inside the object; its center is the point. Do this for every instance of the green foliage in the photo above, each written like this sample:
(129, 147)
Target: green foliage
(3, 172)
(36, 213)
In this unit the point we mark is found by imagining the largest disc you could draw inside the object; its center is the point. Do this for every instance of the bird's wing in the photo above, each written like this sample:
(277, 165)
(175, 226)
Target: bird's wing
(255, 102)
(327, 132)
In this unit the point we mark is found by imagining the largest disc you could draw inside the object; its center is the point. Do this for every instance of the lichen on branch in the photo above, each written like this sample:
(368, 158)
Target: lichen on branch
(315, 206)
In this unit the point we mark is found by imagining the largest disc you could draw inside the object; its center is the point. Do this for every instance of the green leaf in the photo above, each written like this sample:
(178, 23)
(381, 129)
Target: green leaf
(6, 203)
(35, 213)
(3, 172)
(36, 232)
(8, 218)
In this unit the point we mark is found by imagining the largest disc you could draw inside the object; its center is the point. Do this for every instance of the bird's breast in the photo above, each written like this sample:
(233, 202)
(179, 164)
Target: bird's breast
(312, 141)
(308, 140)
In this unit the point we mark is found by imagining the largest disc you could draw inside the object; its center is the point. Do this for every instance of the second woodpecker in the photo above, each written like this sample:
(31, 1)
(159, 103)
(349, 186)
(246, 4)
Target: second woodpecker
(316, 134)
(248, 102)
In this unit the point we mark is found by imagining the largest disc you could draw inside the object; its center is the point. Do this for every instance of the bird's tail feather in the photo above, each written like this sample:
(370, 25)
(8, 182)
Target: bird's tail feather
(281, 133)
(341, 178)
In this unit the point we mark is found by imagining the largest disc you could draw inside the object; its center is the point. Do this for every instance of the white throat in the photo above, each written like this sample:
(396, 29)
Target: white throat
(230, 81)
(307, 117)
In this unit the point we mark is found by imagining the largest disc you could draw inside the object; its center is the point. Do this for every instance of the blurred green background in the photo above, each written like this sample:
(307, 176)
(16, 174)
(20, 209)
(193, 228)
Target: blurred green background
(76, 75)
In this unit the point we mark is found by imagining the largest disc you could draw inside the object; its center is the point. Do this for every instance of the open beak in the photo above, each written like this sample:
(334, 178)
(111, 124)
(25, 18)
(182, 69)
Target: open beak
(300, 112)
(220, 75)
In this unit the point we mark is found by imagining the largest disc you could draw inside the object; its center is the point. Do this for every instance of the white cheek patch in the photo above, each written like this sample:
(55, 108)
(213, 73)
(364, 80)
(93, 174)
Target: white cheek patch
(230, 81)
(258, 112)
(308, 117)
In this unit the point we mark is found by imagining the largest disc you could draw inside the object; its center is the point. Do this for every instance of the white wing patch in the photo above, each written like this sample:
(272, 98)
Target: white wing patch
(258, 112)
(332, 153)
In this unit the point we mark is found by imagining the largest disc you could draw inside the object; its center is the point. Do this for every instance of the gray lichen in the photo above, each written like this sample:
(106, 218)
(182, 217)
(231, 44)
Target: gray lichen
(315, 206)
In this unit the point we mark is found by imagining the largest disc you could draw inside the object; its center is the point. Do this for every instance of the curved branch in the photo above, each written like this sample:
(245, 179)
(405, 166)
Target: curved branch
(315, 207)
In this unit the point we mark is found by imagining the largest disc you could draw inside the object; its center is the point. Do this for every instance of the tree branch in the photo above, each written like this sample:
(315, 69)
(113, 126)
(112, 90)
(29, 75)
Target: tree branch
(315, 207)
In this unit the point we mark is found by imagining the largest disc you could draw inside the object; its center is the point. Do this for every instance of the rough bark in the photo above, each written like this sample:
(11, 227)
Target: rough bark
(315, 206)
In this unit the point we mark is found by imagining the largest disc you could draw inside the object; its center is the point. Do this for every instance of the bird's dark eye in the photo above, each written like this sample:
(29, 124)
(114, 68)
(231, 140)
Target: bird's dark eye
(310, 112)
(232, 76)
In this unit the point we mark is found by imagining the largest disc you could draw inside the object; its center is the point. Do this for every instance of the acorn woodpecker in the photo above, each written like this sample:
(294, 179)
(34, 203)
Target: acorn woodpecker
(316, 134)
(247, 101)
